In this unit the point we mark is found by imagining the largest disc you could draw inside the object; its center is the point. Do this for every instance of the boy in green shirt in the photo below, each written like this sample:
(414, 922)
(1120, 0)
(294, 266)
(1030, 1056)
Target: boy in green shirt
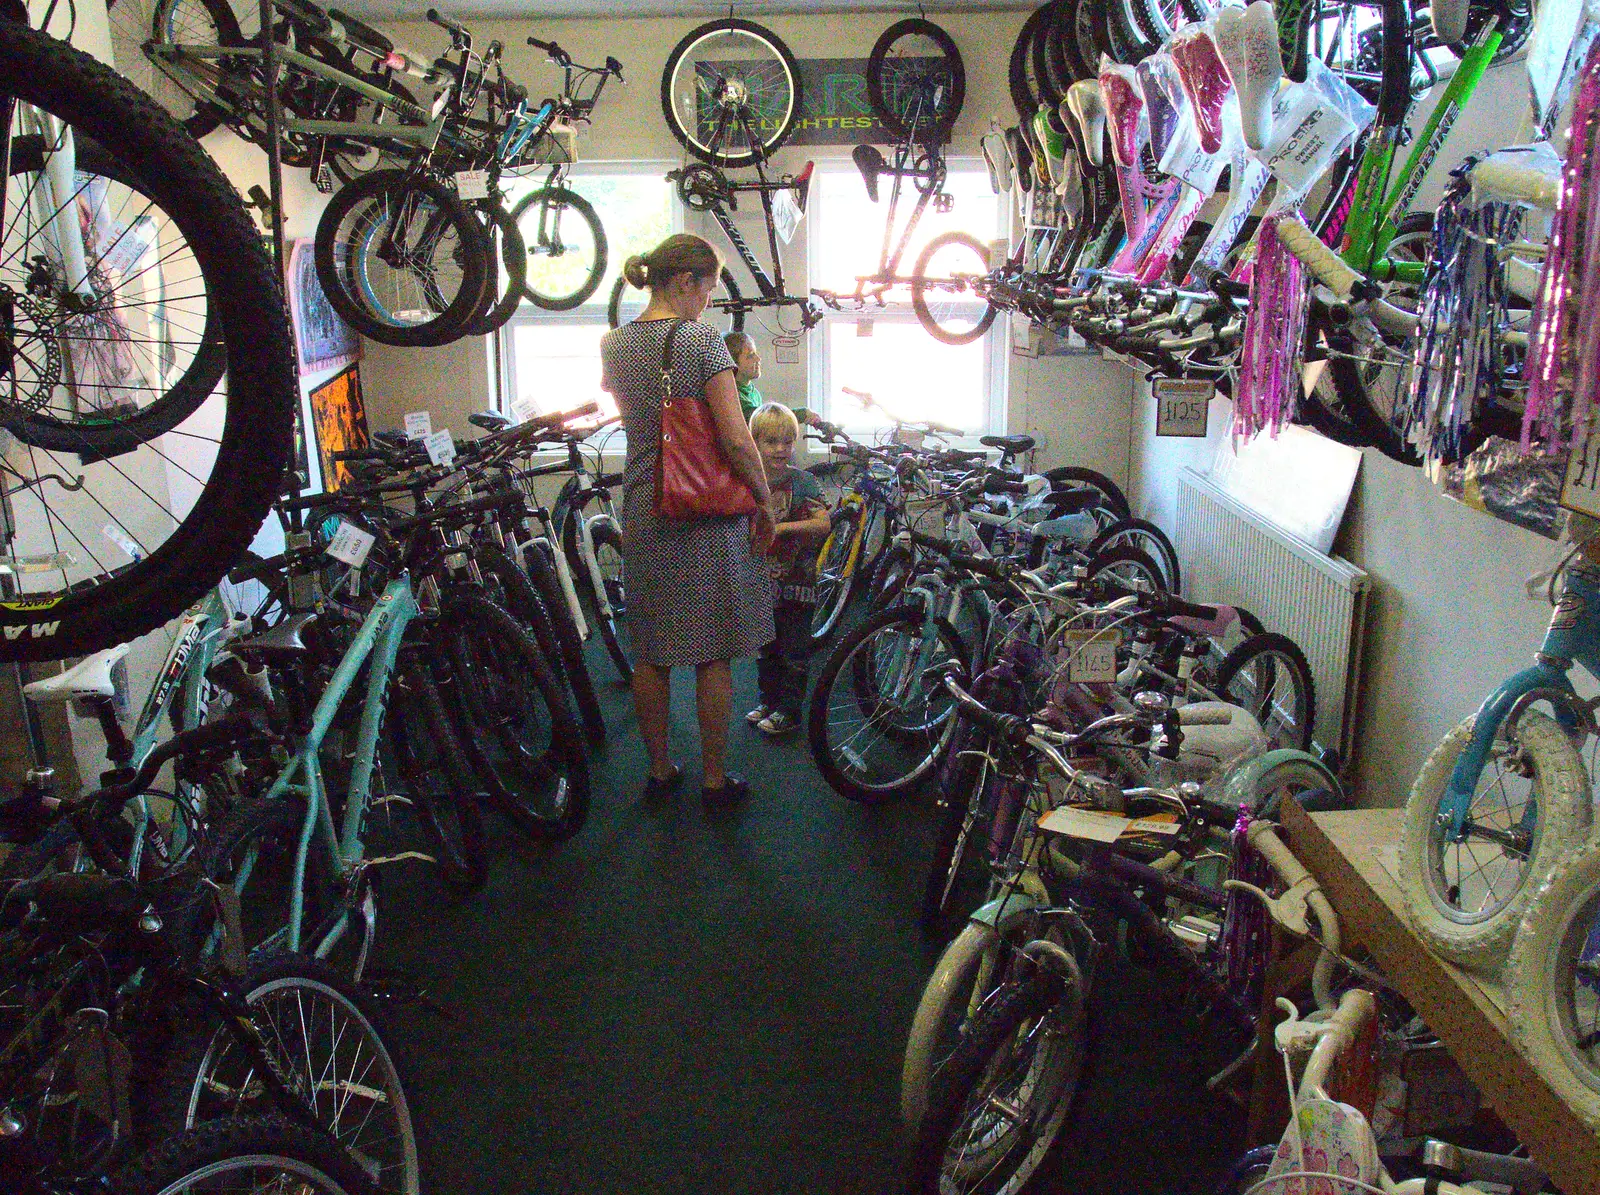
(746, 369)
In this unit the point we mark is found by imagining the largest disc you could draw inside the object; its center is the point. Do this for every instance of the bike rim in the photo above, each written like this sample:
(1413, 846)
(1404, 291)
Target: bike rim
(562, 250)
(1477, 878)
(726, 80)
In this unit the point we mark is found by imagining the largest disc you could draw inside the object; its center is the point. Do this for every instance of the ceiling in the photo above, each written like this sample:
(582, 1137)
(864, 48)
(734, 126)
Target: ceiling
(402, 10)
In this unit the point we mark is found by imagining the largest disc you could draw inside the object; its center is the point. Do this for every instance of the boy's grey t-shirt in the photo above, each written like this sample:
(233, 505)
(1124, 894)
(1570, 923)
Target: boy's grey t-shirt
(796, 495)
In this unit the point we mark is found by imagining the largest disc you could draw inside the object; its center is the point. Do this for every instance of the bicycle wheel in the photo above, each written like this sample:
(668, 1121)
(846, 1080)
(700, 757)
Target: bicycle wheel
(190, 94)
(1268, 675)
(536, 597)
(401, 259)
(325, 1035)
(440, 781)
(731, 92)
(1149, 539)
(1152, 22)
(916, 82)
(1123, 569)
(148, 506)
(1466, 898)
(1550, 984)
(517, 726)
(724, 312)
(608, 555)
(996, 1108)
(251, 1154)
(1022, 75)
(566, 246)
(953, 871)
(835, 577)
(878, 722)
(943, 294)
(1067, 477)
(507, 266)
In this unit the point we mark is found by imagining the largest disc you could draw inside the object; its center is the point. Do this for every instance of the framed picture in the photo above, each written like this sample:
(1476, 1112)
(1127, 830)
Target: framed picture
(322, 339)
(339, 420)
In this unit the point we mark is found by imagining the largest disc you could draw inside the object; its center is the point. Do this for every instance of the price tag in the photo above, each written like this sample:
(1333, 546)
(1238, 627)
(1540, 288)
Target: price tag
(1150, 825)
(419, 425)
(441, 448)
(472, 184)
(1581, 489)
(1091, 656)
(1182, 406)
(524, 409)
(130, 245)
(1090, 824)
(1310, 131)
(351, 544)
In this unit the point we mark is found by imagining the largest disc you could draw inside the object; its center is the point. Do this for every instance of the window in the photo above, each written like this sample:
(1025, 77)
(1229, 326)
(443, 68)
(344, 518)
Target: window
(550, 360)
(885, 351)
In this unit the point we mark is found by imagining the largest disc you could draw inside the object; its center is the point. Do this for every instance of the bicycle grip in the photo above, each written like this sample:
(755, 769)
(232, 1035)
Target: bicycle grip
(258, 570)
(438, 18)
(360, 454)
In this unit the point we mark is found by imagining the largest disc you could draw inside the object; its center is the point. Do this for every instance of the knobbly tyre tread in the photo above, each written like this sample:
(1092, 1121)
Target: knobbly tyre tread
(1071, 476)
(1563, 816)
(1023, 98)
(1236, 660)
(263, 391)
(1126, 530)
(197, 1023)
(602, 249)
(497, 309)
(476, 615)
(937, 132)
(993, 1026)
(453, 822)
(331, 1170)
(1530, 975)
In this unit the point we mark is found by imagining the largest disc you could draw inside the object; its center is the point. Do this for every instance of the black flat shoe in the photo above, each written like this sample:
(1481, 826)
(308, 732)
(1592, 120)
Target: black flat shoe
(655, 789)
(734, 789)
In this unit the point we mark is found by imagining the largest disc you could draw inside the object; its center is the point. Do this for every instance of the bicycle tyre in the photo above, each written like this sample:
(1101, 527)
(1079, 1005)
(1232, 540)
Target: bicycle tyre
(1149, 539)
(1021, 80)
(611, 538)
(819, 738)
(395, 189)
(204, 1078)
(426, 747)
(562, 198)
(890, 576)
(881, 90)
(606, 625)
(783, 126)
(544, 794)
(920, 287)
(1479, 939)
(834, 585)
(312, 1163)
(1249, 653)
(509, 253)
(1048, 1096)
(961, 782)
(730, 298)
(1071, 476)
(255, 441)
(1127, 563)
(200, 116)
(536, 597)
(1549, 959)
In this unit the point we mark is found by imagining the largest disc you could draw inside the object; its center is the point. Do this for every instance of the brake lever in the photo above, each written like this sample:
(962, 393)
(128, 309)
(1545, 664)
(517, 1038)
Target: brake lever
(1289, 910)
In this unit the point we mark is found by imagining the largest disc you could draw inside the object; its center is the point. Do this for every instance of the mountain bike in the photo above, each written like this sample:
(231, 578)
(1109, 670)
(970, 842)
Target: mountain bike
(130, 487)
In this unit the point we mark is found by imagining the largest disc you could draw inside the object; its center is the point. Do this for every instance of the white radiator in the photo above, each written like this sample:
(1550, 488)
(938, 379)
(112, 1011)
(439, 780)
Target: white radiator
(1231, 555)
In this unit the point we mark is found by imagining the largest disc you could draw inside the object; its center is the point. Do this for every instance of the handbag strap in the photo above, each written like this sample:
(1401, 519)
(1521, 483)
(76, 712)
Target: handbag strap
(666, 357)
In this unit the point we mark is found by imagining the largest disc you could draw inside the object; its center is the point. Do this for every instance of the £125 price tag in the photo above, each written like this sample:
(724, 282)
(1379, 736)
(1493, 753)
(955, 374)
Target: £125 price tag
(1182, 406)
(351, 544)
(441, 448)
(419, 425)
(1091, 656)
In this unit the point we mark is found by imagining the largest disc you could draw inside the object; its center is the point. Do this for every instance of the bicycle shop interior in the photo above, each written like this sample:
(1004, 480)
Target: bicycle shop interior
(1189, 500)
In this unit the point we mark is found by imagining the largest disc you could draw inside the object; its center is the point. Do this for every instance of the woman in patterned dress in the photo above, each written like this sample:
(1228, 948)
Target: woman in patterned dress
(698, 591)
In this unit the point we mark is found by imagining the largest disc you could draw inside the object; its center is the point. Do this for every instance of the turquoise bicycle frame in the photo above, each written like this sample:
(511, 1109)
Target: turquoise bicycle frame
(1573, 637)
(378, 640)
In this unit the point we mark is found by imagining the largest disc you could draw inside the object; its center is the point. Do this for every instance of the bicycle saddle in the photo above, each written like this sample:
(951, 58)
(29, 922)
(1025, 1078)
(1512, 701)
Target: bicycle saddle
(869, 161)
(1089, 110)
(1206, 83)
(1009, 444)
(1449, 19)
(1262, 69)
(489, 421)
(1125, 115)
(89, 677)
(1162, 113)
(1021, 158)
(280, 643)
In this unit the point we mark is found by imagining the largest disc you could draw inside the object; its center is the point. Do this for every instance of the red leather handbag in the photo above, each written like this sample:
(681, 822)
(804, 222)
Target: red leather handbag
(693, 477)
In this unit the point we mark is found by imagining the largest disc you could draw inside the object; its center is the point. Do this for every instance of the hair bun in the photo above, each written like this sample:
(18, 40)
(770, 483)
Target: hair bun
(637, 271)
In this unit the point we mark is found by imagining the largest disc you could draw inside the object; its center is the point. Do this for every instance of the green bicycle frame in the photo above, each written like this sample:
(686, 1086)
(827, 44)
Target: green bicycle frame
(1381, 203)
(378, 639)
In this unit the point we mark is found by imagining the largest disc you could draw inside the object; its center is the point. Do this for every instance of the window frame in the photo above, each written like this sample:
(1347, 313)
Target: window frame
(502, 348)
(820, 389)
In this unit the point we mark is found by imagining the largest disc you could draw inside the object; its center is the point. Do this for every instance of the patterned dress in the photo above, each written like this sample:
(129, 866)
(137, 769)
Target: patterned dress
(695, 591)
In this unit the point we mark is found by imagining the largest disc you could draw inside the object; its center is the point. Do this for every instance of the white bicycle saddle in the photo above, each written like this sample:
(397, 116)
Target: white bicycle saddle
(1211, 744)
(1088, 108)
(1262, 72)
(89, 677)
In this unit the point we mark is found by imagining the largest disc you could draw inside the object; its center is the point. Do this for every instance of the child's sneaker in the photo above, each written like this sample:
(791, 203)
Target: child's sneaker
(758, 715)
(777, 723)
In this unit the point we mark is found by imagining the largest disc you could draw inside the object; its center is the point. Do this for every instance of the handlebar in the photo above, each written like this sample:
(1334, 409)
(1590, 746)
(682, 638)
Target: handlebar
(1012, 728)
(453, 27)
(984, 566)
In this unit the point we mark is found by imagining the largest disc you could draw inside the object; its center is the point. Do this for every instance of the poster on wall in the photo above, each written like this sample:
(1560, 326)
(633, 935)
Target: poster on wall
(322, 339)
(340, 421)
(834, 109)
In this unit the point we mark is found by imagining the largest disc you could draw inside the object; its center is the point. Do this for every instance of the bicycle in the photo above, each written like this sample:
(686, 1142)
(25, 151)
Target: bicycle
(70, 586)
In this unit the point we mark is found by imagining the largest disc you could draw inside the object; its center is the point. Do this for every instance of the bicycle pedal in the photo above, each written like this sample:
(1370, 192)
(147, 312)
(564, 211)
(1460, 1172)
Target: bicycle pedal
(324, 179)
(397, 987)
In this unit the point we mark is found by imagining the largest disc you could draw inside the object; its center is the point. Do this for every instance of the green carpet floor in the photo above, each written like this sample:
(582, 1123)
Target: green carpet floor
(682, 1002)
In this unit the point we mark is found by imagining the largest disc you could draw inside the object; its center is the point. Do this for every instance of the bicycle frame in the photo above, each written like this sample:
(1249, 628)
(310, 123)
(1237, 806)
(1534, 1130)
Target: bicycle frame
(377, 641)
